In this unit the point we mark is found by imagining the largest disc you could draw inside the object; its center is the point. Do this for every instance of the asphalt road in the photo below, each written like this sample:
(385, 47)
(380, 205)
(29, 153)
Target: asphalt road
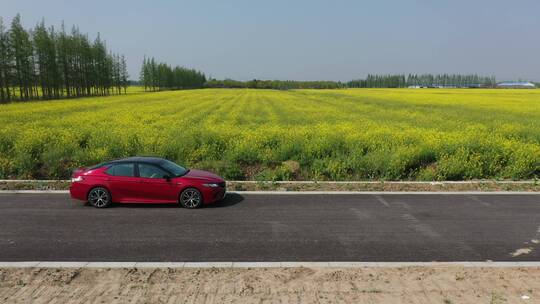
(370, 228)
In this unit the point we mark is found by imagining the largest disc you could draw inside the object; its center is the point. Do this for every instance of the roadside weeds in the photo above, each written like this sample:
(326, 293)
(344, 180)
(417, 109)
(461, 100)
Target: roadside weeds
(391, 186)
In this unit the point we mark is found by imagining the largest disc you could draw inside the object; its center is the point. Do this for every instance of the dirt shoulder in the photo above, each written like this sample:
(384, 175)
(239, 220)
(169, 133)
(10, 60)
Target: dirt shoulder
(271, 285)
(320, 186)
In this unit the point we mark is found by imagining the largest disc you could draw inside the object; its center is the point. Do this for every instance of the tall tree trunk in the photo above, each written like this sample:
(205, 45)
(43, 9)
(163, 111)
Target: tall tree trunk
(3, 97)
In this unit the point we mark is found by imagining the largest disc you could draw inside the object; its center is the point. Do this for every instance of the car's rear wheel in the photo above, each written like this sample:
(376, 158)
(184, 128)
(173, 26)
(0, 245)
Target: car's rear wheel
(99, 197)
(191, 198)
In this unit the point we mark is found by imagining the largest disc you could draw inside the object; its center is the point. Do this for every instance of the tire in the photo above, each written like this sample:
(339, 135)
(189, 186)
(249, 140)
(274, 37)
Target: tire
(99, 197)
(191, 198)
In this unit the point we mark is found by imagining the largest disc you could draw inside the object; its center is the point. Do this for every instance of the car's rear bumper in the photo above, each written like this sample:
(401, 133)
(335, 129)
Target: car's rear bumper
(78, 191)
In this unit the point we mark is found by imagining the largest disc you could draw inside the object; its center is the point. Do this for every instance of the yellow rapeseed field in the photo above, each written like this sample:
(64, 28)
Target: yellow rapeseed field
(350, 134)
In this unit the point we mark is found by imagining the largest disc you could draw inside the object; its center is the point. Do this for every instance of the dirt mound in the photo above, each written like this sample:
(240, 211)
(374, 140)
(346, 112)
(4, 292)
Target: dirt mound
(272, 285)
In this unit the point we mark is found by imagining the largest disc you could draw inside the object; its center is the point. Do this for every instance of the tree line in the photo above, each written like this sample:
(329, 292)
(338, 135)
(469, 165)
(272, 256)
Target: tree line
(273, 84)
(379, 81)
(161, 76)
(424, 80)
(371, 81)
(42, 63)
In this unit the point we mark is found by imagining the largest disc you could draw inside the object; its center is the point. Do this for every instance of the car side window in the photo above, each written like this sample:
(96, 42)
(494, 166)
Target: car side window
(122, 170)
(150, 171)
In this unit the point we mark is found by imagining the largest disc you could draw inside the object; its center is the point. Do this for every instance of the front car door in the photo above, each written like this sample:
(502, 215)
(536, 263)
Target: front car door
(155, 187)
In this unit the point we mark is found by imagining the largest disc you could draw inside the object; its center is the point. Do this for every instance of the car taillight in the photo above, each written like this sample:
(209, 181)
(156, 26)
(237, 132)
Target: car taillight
(76, 179)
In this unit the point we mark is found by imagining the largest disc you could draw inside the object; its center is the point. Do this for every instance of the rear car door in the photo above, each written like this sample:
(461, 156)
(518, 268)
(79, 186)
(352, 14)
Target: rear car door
(122, 182)
(154, 184)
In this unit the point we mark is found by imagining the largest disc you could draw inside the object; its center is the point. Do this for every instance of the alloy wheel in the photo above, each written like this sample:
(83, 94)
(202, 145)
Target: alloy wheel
(191, 198)
(99, 198)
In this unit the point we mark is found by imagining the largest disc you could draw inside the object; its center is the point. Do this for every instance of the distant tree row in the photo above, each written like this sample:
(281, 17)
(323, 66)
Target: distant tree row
(371, 81)
(42, 63)
(160, 76)
(274, 84)
(379, 81)
(454, 80)
(424, 80)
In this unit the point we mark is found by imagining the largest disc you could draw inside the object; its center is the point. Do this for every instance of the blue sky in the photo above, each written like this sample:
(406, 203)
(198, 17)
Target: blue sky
(309, 40)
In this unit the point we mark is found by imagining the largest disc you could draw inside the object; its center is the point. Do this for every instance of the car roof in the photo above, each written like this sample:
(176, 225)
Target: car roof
(144, 159)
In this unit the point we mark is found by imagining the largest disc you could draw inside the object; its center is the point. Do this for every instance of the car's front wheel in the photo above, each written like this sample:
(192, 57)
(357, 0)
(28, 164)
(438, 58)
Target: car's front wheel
(191, 198)
(99, 197)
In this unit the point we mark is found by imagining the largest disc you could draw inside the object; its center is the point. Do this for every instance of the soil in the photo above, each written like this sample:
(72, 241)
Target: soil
(445, 284)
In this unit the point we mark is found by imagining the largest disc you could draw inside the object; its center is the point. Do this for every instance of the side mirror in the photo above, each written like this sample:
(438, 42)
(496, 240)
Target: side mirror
(167, 178)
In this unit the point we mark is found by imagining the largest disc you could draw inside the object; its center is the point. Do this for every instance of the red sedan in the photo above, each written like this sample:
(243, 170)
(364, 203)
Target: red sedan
(145, 180)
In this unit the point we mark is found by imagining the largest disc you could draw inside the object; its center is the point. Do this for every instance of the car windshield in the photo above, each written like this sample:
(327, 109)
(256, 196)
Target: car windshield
(175, 169)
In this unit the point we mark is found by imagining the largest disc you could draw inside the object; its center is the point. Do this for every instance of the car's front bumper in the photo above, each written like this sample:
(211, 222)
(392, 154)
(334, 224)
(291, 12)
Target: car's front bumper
(214, 195)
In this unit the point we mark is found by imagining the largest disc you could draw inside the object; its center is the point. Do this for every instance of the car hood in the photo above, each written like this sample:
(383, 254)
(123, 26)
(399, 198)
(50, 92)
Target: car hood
(200, 174)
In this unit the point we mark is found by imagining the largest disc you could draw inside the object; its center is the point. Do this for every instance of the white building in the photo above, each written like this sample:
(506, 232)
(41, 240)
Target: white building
(516, 85)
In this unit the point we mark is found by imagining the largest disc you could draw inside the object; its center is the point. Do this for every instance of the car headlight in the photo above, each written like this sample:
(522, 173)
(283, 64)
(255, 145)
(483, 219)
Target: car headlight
(76, 179)
(211, 185)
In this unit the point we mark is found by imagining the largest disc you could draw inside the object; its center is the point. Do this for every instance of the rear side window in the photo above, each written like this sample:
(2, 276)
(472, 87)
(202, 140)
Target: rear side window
(122, 170)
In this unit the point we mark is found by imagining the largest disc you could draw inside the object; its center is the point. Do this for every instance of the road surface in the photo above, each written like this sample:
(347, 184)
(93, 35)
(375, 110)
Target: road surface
(271, 227)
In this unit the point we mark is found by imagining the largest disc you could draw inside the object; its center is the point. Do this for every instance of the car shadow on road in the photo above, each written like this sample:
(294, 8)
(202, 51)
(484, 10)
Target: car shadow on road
(230, 199)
